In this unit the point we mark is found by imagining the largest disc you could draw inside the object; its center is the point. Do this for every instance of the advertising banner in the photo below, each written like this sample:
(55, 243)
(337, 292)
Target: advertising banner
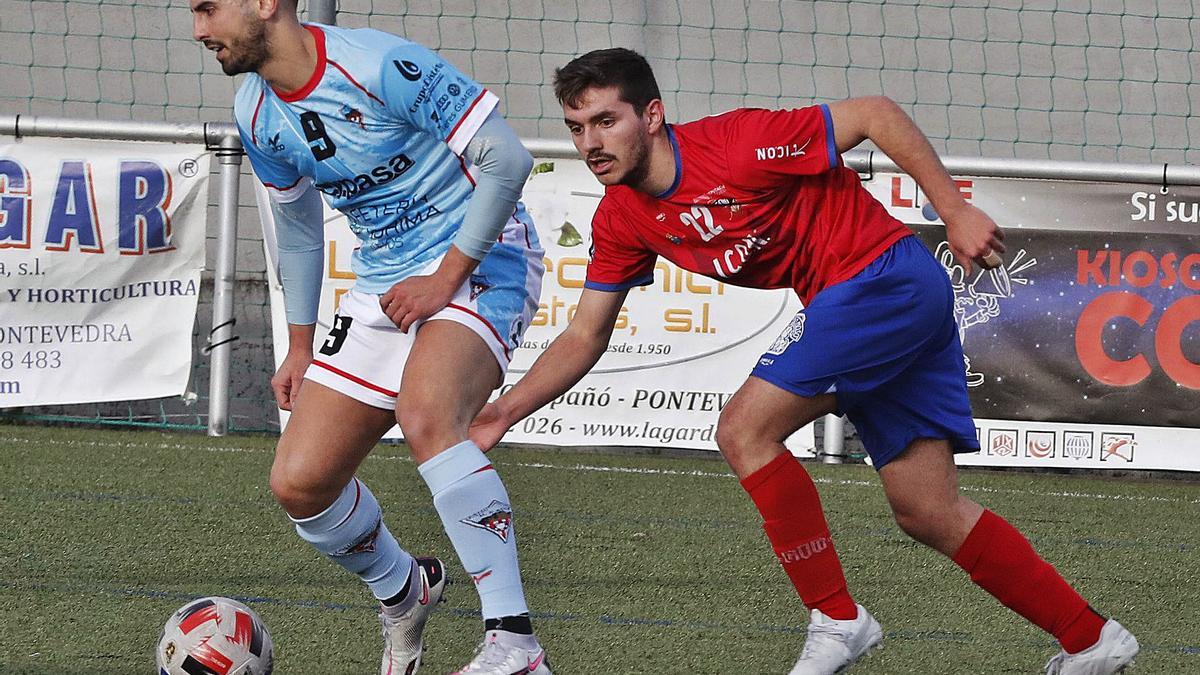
(101, 249)
(1084, 349)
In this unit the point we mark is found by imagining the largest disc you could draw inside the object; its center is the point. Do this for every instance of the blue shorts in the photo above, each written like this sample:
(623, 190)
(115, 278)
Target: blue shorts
(886, 343)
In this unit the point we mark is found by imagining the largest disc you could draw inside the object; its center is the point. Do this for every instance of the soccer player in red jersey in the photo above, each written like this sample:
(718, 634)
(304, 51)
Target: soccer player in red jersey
(760, 198)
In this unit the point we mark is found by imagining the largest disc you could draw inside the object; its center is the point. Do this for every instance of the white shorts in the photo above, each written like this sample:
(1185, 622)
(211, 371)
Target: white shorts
(364, 354)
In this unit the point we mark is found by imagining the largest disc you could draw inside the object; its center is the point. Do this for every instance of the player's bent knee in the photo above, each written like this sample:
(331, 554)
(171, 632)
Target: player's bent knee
(922, 525)
(729, 439)
(299, 493)
(428, 431)
(742, 446)
(737, 432)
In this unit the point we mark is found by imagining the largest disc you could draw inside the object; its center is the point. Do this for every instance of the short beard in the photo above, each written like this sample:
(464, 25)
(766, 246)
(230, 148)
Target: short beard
(638, 158)
(250, 50)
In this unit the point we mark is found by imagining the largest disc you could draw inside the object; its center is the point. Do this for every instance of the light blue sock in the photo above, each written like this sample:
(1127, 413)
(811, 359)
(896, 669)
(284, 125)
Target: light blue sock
(351, 533)
(475, 511)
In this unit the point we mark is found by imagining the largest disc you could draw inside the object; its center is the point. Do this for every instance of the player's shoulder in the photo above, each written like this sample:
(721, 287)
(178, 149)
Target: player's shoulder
(617, 197)
(609, 206)
(748, 117)
(374, 47)
(620, 204)
(356, 41)
(249, 93)
(716, 129)
(716, 120)
(365, 52)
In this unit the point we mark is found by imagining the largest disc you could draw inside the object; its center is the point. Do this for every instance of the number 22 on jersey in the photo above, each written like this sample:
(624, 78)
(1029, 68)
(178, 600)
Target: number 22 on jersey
(701, 220)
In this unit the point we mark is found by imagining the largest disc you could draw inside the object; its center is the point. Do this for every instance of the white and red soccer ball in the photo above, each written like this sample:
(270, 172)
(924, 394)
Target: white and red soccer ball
(215, 636)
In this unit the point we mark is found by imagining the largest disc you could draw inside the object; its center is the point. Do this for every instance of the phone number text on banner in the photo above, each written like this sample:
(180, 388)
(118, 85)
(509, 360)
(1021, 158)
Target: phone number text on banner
(101, 249)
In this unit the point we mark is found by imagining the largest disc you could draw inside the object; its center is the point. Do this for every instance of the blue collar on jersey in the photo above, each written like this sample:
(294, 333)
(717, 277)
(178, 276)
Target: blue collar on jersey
(678, 165)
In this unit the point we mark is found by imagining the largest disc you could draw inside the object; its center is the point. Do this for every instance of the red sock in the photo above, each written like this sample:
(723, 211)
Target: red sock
(1001, 561)
(792, 518)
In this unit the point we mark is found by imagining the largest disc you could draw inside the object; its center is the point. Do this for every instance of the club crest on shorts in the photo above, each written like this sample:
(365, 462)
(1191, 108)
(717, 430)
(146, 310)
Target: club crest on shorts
(479, 286)
(495, 518)
(793, 333)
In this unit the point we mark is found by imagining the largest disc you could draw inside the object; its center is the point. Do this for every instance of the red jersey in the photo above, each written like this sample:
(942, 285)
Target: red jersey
(760, 199)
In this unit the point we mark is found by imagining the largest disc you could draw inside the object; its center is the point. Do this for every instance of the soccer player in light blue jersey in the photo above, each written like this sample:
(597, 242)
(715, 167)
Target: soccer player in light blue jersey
(448, 275)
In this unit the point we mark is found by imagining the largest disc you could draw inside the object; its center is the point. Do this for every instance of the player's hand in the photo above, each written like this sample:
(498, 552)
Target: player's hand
(286, 382)
(974, 236)
(415, 299)
(489, 427)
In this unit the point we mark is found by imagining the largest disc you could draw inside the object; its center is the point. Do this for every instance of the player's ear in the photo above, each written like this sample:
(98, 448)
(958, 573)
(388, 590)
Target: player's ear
(269, 9)
(654, 115)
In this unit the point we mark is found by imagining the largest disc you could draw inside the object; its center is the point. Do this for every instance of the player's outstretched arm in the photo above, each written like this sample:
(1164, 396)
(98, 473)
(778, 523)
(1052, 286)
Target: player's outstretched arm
(565, 361)
(972, 234)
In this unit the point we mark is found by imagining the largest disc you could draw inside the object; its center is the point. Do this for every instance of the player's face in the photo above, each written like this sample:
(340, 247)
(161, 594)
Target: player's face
(610, 135)
(233, 30)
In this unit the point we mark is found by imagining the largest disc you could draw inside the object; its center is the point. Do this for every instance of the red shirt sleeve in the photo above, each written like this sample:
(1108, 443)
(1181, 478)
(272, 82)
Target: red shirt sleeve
(619, 259)
(767, 146)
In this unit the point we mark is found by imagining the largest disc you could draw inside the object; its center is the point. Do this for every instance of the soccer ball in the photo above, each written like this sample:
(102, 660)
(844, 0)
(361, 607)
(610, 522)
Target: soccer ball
(215, 636)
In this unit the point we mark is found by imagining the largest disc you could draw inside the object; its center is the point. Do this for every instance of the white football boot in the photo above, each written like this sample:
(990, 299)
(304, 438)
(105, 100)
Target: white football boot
(1112, 653)
(504, 653)
(402, 643)
(833, 645)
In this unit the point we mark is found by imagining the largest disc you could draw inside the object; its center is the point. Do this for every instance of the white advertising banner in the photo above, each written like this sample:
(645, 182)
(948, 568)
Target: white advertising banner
(101, 249)
(681, 347)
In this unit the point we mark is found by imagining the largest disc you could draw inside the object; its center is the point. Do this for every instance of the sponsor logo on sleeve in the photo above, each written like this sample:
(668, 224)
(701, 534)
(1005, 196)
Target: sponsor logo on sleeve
(408, 69)
(781, 151)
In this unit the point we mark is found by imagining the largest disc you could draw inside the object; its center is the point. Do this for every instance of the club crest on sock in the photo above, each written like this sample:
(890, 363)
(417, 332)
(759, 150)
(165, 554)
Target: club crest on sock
(495, 518)
(366, 544)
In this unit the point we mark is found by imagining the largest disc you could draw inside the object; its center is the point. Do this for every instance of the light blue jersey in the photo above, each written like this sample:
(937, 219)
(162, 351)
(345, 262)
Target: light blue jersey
(379, 129)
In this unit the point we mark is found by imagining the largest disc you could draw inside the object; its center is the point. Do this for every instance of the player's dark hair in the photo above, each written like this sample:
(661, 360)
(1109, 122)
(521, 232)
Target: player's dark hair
(618, 67)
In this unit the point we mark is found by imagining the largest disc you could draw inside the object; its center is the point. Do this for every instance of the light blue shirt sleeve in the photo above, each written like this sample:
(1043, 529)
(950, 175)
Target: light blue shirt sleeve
(504, 165)
(280, 177)
(300, 233)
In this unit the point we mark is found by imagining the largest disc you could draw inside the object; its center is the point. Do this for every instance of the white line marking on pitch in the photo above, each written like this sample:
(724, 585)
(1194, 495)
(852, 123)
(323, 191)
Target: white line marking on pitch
(591, 468)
